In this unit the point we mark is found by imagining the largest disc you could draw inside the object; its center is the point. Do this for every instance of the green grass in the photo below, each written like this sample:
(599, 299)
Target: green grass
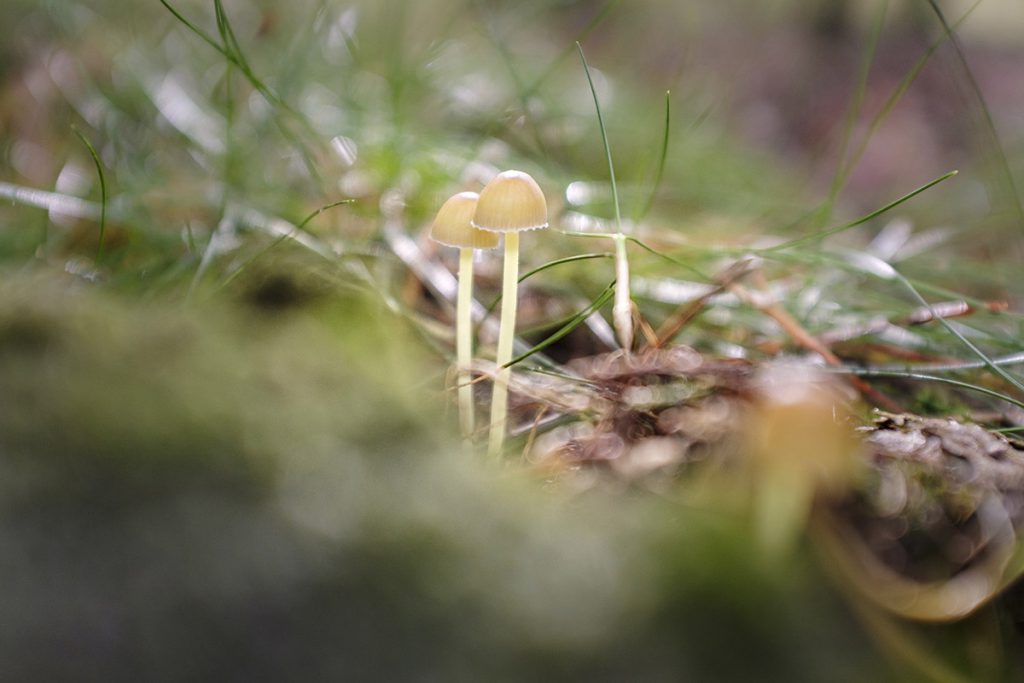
(103, 192)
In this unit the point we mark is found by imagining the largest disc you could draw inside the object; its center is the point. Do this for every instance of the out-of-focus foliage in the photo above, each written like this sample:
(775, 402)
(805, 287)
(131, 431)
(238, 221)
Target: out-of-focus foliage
(246, 495)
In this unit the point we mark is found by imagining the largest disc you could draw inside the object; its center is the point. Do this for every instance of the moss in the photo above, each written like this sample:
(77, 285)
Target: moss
(193, 493)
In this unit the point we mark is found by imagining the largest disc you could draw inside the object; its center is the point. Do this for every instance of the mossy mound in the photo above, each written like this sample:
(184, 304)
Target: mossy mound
(214, 494)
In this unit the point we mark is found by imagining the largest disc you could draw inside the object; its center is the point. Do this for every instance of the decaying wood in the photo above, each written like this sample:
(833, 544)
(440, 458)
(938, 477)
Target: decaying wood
(962, 455)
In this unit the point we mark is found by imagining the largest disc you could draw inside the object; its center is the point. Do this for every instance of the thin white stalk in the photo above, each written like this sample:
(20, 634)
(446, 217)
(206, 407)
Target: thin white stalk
(622, 308)
(464, 342)
(499, 401)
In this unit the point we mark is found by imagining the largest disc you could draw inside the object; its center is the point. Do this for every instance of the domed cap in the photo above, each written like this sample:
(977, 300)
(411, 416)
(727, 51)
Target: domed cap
(453, 227)
(513, 201)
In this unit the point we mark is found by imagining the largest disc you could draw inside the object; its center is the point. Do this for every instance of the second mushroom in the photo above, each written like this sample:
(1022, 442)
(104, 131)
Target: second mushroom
(452, 227)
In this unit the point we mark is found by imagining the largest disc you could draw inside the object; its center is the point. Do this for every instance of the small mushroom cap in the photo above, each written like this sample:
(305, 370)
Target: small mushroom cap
(513, 201)
(453, 227)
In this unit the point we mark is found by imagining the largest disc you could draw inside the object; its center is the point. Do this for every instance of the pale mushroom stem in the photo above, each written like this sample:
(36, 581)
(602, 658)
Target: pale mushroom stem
(499, 400)
(782, 506)
(464, 341)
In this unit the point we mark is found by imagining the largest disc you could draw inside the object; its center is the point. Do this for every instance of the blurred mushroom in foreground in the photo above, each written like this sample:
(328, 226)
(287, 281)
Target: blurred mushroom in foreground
(800, 445)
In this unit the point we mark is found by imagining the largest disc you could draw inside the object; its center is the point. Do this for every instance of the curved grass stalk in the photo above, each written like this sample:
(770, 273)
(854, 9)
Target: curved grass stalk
(990, 124)
(103, 191)
(660, 173)
(539, 269)
(818, 236)
(919, 376)
(622, 308)
(574, 322)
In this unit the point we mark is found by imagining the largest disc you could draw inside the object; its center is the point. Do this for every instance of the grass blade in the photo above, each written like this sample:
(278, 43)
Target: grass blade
(842, 168)
(567, 259)
(900, 374)
(232, 51)
(525, 92)
(103, 191)
(1010, 359)
(540, 269)
(319, 211)
(580, 37)
(203, 35)
(646, 208)
(573, 323)
(818, 236)
(877, 267)
(686, 266)
(897, 95)
(622, 308)
(990, 124)
(604, 137)
(989, 363)
(248, 262)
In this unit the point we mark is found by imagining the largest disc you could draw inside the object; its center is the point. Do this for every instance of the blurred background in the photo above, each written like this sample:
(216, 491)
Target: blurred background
(275, 166)
(221, 126)
(778, 109)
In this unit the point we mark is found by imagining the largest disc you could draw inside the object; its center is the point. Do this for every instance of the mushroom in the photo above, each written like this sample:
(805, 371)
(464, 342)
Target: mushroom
(800, 447)
(452, 227)
(510, 203)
